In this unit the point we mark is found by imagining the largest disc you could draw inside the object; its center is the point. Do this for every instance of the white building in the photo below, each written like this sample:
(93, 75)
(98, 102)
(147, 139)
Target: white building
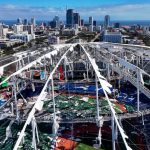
(21, 28)
(18, 28)
(5, 31)
(114, 37)
(24, 37)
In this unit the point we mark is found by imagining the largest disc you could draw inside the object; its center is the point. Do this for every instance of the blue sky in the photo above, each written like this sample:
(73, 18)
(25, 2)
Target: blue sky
(46, 9)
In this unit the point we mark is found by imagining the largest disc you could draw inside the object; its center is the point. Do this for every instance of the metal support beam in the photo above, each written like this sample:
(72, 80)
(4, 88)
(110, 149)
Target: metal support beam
(54, 109)
(15, 96)
(97, 100)
(113, 132)
(87, 70)
(138, 91)
(65, 70)
(33, 134)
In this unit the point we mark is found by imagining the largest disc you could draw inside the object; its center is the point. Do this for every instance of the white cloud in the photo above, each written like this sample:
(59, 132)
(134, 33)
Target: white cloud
(122, 12)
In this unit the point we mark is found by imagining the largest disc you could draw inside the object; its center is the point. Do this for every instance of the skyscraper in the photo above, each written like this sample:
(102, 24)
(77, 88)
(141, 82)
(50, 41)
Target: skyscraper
(107, 21)
(25, 22)
(82, 22)
(76, 18)
(117, 25)
(69, 17)
(56, 18)
(57, 22)
(1, 30)
(33, 22)
(94, 23)
(91, 20)
(19, 21)
(28, 28)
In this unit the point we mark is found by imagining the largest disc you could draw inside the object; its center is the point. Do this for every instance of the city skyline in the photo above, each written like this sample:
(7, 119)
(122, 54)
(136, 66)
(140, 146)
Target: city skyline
(45, 10)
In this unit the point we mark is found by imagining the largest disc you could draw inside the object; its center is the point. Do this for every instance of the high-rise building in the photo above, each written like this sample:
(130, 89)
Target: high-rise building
(82, 22)
(18, 28)
(91, 28)
(33, 22)
(56, 18)
(25, 22)
(28, 28)
(117, 25)
(19, 21)
(69, 17)
(107, 21)
(76, 18)
(94, 23)
(91, 20)
(1, 30)
(55, 23)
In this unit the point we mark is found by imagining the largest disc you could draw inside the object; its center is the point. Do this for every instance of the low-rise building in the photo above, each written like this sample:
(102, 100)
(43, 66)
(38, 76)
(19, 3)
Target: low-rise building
(53, 39)
(8, 43)
(69, 32)
(24, 37)
(114, 37)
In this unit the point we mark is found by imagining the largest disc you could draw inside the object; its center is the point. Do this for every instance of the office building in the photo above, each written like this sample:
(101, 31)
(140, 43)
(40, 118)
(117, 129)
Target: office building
(91, 20)
(94, 23)
(117, 25)
(82, 22)
(76, 26)
(24, 37)
(19, 21)
(69, 17)
(33, 22)
(56, 22)
(1, 30)
(53, 24)
(107, 21)
(28, 28)
(98, 28)
(91, 28)
(18, 28)
(25, 22)
(4, 31)
(76, 18)
(21, 28)
(56, 18)
(114, 37)
(146, 29)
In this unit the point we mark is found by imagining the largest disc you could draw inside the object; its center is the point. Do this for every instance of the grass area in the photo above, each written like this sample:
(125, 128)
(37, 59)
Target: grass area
(85, 147)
